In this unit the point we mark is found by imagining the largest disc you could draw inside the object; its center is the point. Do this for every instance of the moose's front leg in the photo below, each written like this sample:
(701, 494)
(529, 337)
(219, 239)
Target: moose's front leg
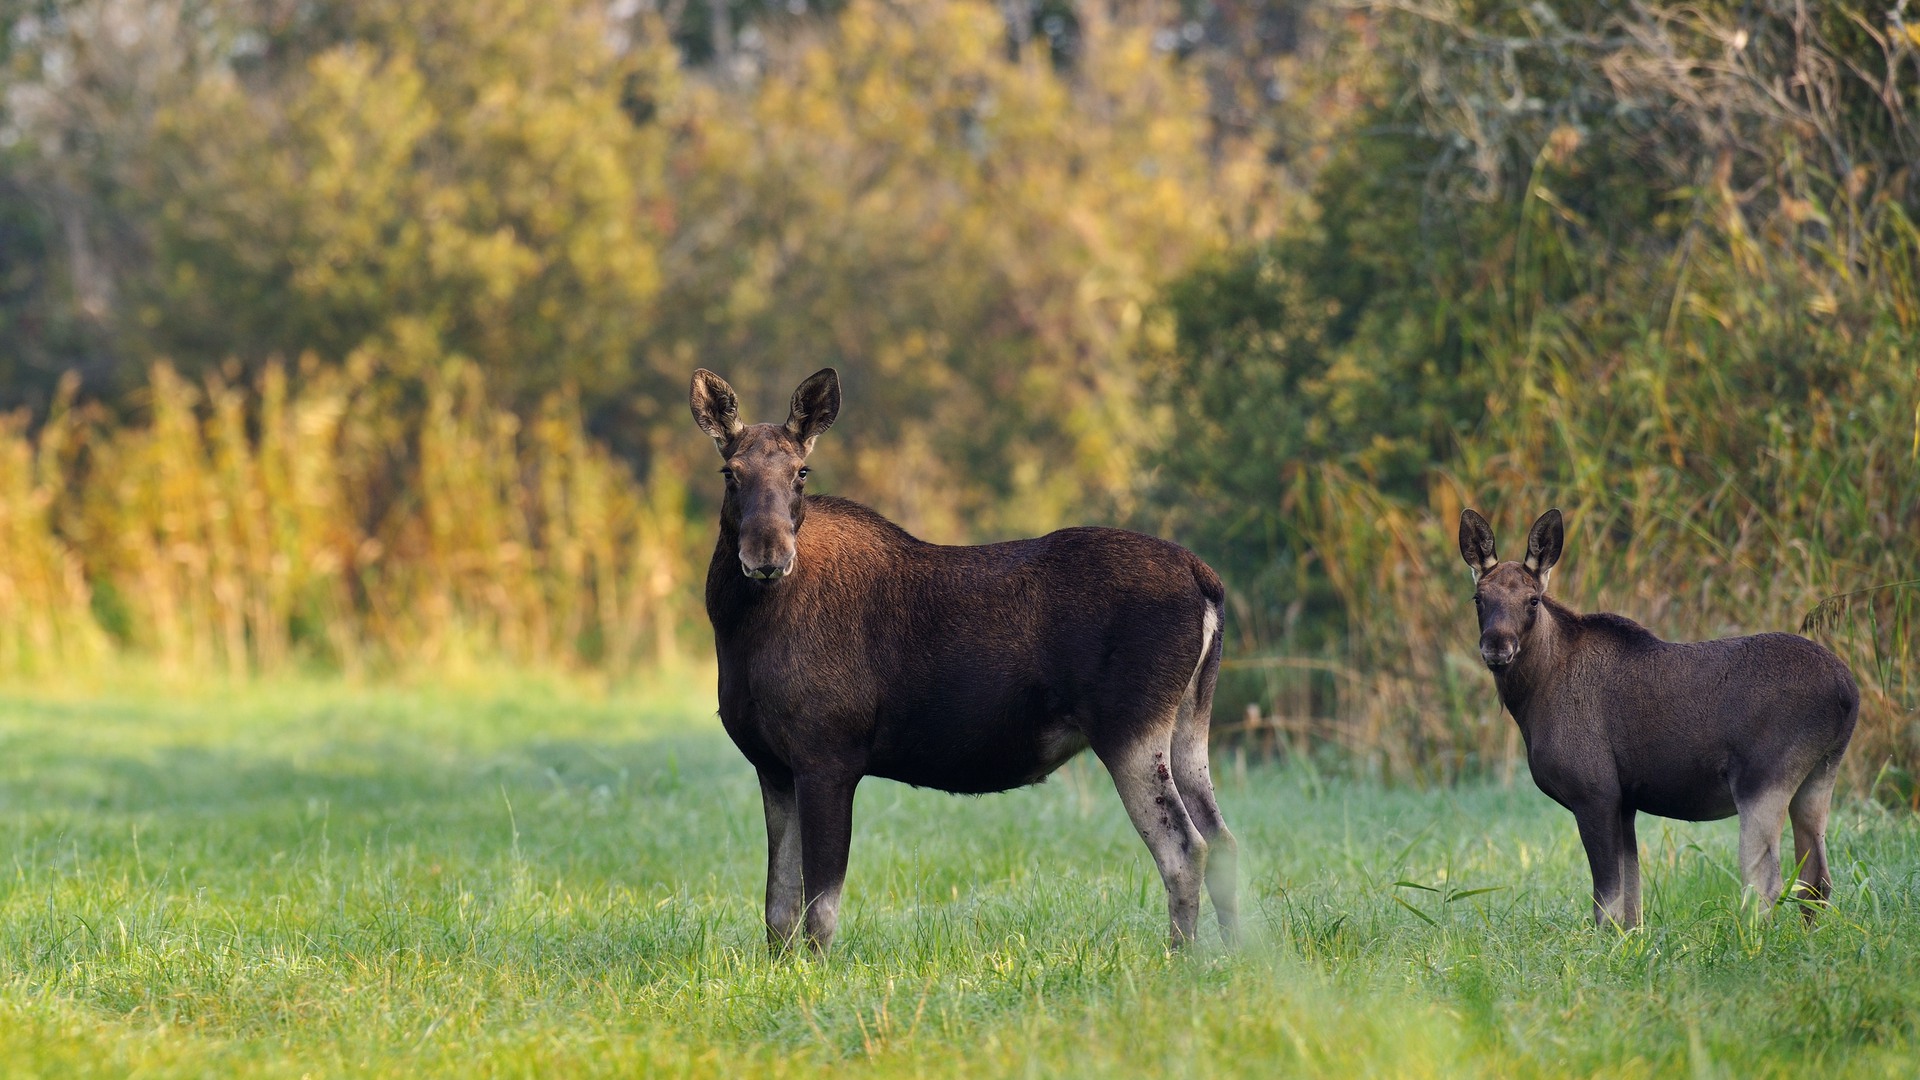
(784, 897)
(1630, 868)
(1600, 834)
(826, 832)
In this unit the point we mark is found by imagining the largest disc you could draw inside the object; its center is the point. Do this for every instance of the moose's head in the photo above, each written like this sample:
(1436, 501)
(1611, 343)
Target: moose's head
(1508, 595)
(766, 466)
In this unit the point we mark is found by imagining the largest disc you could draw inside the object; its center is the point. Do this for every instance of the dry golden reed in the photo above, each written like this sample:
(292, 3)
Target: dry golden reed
(323, 519)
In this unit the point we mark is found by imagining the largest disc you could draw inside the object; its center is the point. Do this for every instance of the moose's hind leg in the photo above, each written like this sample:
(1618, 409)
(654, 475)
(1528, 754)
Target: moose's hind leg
(1194, 779)
(1809, 813)
(1763, 812)
(1143, 775)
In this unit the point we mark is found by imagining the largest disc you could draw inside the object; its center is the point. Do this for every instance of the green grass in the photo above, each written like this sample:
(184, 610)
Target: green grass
(535, 879)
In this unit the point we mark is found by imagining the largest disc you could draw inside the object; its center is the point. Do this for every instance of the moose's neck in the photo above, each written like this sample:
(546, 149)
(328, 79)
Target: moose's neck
(729, 592)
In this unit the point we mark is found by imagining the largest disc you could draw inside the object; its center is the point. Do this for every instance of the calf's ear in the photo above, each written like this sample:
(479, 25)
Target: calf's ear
(1476, 543)
(716, 408)
(1543, 544)
(816, 402)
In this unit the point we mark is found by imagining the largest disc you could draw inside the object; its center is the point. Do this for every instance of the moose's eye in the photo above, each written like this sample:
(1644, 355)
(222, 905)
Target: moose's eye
(728, 473)
(804, 472)
(1533, 601)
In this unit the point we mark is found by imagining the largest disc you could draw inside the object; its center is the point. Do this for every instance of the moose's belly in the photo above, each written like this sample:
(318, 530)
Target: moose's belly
(977, 760)
(1679, 775)
(1697, 796)
(1678, 782)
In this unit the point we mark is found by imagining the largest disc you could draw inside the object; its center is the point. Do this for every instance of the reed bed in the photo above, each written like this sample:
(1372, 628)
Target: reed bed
(323, 518)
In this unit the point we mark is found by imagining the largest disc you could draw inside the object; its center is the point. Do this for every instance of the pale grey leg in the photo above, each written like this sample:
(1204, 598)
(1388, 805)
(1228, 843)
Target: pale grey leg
(1809, 813)
(1143, 775)
(1194, 779)
(1762, 816)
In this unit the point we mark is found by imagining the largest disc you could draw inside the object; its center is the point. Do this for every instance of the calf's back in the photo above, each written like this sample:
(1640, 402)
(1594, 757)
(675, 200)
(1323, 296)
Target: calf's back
(1684, 725)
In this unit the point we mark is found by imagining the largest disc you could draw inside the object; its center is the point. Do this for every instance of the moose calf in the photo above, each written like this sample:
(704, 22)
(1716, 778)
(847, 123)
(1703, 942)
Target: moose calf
(848, 648)
(1617, 721)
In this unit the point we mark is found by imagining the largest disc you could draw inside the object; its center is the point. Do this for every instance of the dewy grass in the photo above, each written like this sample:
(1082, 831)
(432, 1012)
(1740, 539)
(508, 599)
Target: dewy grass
(523, 878)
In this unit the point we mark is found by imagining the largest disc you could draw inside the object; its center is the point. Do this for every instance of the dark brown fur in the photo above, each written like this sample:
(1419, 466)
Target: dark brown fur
(848, 648)
(1617, 721)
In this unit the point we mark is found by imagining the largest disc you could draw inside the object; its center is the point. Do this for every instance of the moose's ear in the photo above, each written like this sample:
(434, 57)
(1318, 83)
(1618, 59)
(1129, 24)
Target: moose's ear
(815, 404)
(716, 408)
(1543, 544)
(1476, 543)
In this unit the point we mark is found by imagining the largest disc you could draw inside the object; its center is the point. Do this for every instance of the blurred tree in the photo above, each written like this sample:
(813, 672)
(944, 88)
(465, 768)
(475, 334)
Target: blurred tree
(974, 237)
(463, 181)
(80, 83)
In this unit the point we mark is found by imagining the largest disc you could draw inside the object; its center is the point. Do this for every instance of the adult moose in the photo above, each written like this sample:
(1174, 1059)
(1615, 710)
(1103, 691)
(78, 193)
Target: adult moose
(848, 648)
(1617, 721)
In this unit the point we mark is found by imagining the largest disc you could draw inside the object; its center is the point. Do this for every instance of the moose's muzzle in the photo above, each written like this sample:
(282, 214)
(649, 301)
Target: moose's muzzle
(769, 571)
(1499, 651)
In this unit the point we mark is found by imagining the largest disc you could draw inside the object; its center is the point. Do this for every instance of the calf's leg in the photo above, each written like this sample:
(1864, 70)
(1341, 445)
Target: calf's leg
(785, 900)
(1194, 779)
(826, 831)
(1629, 870)
(1763, 812)
(1600, 835)
(1809, 813)
(1143, 775)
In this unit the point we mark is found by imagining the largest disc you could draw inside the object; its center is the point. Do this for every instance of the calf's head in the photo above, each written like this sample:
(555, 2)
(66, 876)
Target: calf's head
(1508, 595)
(766, 466)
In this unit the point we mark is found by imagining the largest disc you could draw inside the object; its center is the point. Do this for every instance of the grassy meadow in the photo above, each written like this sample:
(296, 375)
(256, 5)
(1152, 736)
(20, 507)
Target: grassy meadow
(344, 359)
(521, 877)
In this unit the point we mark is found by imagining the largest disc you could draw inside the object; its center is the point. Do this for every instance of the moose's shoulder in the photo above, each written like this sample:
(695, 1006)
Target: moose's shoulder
(1628, 635)
(1618, 628)
(847, 514)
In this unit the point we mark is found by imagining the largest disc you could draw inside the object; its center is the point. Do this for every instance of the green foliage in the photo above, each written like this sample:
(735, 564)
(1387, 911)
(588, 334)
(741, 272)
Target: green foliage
(511, 878)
